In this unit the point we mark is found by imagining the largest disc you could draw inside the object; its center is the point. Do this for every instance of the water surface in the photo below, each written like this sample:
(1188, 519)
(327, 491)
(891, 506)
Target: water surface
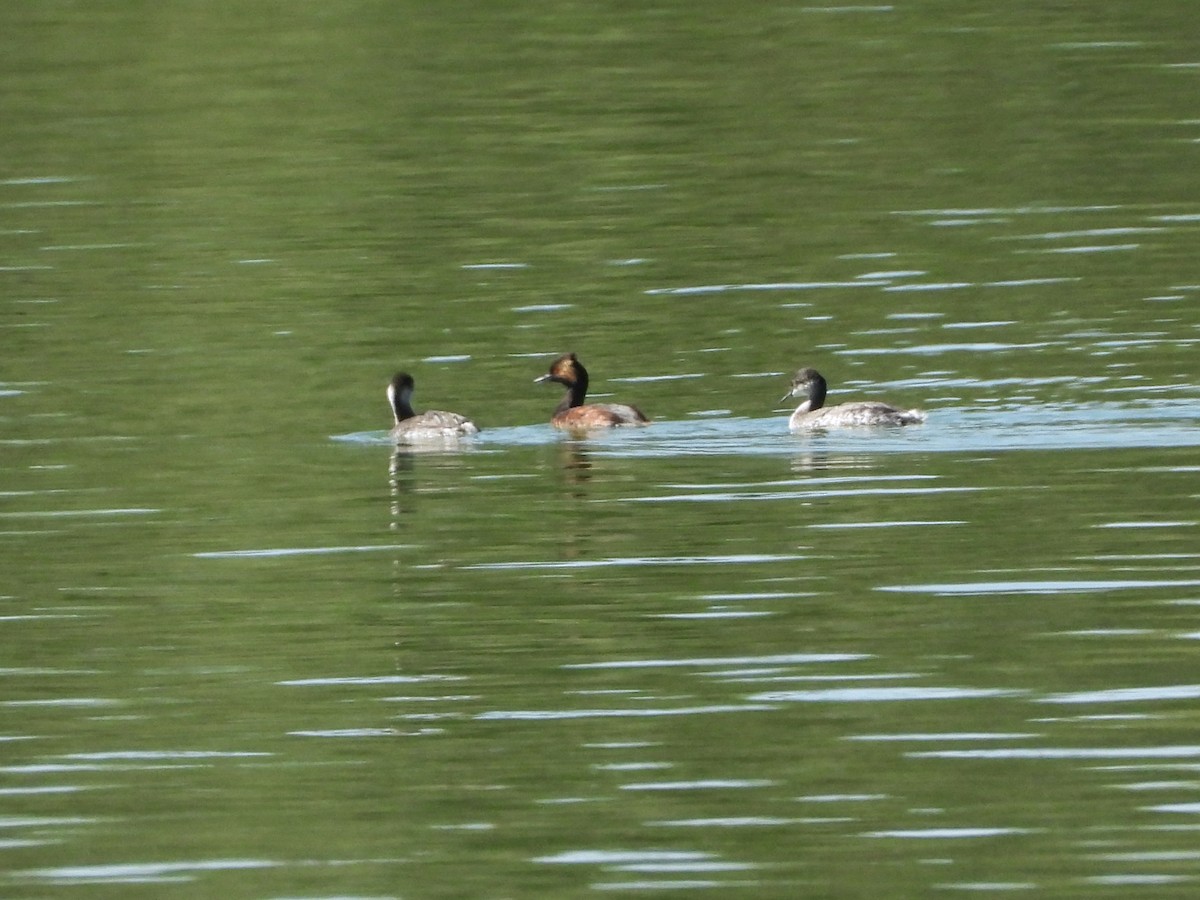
(252, 649)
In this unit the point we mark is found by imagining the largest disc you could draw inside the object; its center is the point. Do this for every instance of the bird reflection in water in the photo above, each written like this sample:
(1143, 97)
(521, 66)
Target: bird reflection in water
(401, 483)
(403, 473)
(575, 461)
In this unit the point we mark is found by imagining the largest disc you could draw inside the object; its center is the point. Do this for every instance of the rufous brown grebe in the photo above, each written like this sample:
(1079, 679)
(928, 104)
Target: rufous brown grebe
(572, 413)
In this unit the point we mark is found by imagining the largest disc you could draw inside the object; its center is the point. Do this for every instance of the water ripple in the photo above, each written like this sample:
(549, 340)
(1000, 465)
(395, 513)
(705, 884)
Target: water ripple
(297, 551)
(770, 286)
(728, 822)
(707, 784)
(946, 833)
(946, 736)
(1066, 586)
(1128, 695)
(539, 715)
(1186, 751)
(622, 857)
(349, 733)
(142, 872)
(616, 561)
(74, 513)
(724, 496)
(780, 659)
(157, 755)
(370, 679)
(880, 694)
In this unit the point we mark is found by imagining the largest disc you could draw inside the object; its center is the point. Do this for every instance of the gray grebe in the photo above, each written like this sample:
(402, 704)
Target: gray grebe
(813, 414)
(431, 425)
(572, 413)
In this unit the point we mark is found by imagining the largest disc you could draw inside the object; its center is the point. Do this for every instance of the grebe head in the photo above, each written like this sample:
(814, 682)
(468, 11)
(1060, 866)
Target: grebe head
(399, 394)
(567, 370)
(811, 384)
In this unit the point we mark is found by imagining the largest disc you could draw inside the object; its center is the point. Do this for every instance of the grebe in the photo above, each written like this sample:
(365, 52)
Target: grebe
(430, 425)
(812, 414)
(572, 413)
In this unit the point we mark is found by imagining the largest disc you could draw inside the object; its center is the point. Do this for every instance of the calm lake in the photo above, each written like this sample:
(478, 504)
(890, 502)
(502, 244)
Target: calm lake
(250, 649)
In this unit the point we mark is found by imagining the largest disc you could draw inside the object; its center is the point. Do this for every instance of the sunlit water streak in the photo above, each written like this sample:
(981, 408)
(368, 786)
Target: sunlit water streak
(881, 694)
(1065, 586)
(635, 561)
(1167, 423)
(947, 736)
(532, 715)
(1129, 695)
(295, 551)
(945, 833)
(779, 659)
(168, 872)
(369, 680)
(659, 862)
(78, 513)
(1073, 753)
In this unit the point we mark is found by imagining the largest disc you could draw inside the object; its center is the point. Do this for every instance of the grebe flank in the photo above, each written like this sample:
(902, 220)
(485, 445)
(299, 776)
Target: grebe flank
(572, 414)
(433, 424)
(812, 413)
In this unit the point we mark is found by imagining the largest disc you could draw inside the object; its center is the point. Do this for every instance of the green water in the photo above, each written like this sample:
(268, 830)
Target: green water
(250, 650)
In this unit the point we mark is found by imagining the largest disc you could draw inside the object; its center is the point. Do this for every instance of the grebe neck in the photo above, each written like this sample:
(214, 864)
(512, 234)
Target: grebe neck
(576, 390)
(816, 395)
(401, 401)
